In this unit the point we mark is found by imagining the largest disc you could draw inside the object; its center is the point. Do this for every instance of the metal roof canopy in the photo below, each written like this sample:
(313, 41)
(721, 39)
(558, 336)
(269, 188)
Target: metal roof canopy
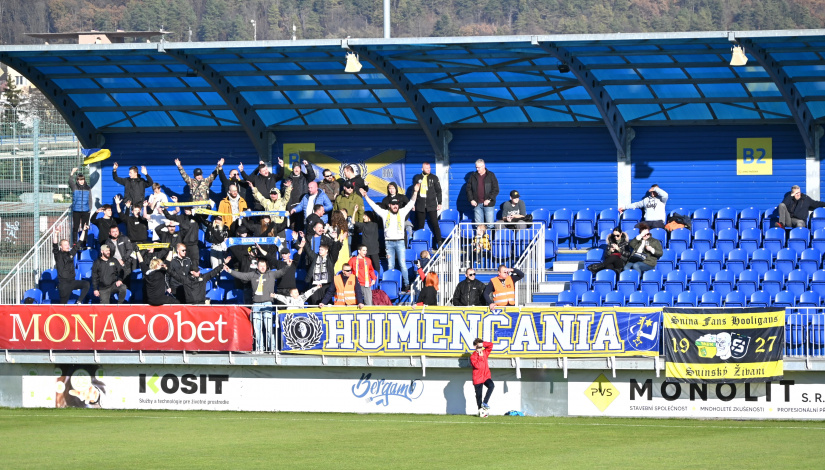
(434, 84)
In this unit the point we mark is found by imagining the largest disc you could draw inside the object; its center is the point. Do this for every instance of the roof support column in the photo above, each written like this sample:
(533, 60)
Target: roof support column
(624, 172)
(261, 137)
(427, 118)
(813, 161)
(613, 119)
(442, 171)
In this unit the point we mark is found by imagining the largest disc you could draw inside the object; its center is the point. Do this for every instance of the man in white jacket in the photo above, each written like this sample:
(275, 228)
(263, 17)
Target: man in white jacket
(394, 235)
(653, 205)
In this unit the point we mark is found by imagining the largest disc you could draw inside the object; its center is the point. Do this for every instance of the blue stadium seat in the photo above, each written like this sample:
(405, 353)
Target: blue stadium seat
(725, 218)
(567, 299)
(391, 283)
(686, 299)
(667, 262)
(809, 299)
(551, 243)
(689, 261)
(638, 299)
(818, 240)
(785, 260)
(541, 215)
(710, 299)
(652, 282)
(760, 299)
(681, 211)
(769, 219)
(818, 282)
(748, 282)
(774, 240)
(727, 239)
(596, 255)
(699, 282)
(773, 281)
(629, 219)
(87, 255)
(581, 281)
(675, 282)
(35, 294)
(679, 240)
(662, 299)
(750, 240)
(797, 282)
(451, 215)
(562, 221)
(659, 234)
(116, 296)
(584, 228)
(421, 240)
(591, 299)
(613, 299)
(795, 334)
(810, 260)
(702, 219)
(632, 233)
(502, 251)
(446, 225)
(737, 261)
(762, 260)
(703, 239)
(608, 220)
(723, 282)
(818, 219)
(605, 281)
(234, 296)
(603, 235)
(784, 299)
(628, 282)
(799, 239)
(750, 217)
(216, 295)
(713, 260)
(735, 299)
(816, 333)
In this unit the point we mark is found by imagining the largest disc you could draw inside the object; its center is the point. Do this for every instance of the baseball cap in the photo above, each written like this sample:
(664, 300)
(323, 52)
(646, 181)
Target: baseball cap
(395, 201)
(513, 194)
(285, 251)
(275, 191)
(348, 185)
(198, 172)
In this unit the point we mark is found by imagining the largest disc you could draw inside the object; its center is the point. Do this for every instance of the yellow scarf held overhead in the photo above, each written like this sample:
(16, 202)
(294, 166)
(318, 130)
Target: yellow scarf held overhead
(98, 156)
(149, 246)
(186, 204)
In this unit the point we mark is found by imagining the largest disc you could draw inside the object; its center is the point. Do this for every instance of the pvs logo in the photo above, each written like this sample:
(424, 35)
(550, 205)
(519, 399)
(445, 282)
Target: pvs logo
(380, 391)
(187, 383)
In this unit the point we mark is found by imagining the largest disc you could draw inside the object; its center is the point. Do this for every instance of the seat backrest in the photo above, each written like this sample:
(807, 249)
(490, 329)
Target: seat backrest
(818, 276)
(606, 275)
(656, 276)
(631, 276)
(749, 276)
(775, 233)
(614, 297)
(663, 298)
(639, 297)
(811, 254)
(686, 297)
(450, 214)
(591, 297)
(785, 298)
(760, 297)
(676, 276)
(735, 297)
(566, 298)
(714, 254)
(798, 275)
(711, 297)
(700, 276)
(583, 275)
(774, 275)
(809, 297)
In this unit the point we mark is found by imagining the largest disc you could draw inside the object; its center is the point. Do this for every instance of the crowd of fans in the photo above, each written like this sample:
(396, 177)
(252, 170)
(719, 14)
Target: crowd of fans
(285, 238)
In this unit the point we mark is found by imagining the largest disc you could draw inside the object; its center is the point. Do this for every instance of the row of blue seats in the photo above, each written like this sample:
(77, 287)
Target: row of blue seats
(782, 299)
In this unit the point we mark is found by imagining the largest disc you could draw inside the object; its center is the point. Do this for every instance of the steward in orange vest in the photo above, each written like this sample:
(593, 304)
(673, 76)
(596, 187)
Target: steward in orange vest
(501, 291)
(344, 290)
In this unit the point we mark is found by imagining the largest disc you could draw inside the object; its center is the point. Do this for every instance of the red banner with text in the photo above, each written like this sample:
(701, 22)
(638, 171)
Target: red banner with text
(125, 328)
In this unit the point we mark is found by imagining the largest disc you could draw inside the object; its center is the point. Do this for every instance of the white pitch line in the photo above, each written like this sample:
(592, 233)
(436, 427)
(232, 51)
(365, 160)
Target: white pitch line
(411, 421)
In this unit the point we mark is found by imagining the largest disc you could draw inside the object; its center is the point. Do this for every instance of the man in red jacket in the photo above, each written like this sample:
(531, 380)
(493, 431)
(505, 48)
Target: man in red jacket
(481, 371)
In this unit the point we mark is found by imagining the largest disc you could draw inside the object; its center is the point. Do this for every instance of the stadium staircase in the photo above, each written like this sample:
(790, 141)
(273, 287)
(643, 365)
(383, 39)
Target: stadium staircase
(558, 275)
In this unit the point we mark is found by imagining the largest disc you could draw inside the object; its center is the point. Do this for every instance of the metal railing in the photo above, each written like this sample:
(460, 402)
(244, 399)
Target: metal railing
(26, 273)
(484, 247)
(804, 332)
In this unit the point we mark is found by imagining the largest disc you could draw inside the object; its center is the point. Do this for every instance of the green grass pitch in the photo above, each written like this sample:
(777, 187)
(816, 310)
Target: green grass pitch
(74, 438)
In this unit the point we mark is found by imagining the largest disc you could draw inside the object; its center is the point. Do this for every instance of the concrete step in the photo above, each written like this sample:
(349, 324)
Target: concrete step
(553, 287)
(540, 304)
(568, 266)
(555, 276)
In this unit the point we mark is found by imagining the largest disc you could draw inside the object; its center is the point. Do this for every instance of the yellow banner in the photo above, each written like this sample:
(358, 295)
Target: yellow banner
(186, 204)
(149, 246)
(724, 321)
(754, 156)
(201, 210)
(292, 153)
(725, 371)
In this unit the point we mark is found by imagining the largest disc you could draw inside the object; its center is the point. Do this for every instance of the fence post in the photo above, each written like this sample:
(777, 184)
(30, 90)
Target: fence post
(36, 177)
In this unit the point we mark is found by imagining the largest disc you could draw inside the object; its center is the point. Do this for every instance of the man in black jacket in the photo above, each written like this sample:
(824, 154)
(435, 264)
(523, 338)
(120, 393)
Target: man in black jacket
(167, 233)
(180, 264)
(64, 262)
(194, 284)
(234, 178)
(370, 237)
(263, 180)
(106, 222)
(300, 187)
(121, 250)
(356, 180)
(189, 229)
(470, 291)
(137, 224)
(107, 277)
(429, 202)
(134, 187)
(482, 189)
(289, 266)
(794, 208)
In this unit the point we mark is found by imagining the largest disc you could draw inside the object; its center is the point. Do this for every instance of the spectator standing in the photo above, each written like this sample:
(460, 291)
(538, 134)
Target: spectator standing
(295, 298)
(106, 222)
(64, 263)
(275, 201)
(81, 203)
(107, 277)
(481, 372)
(394, 235)
(234, 178)
(179, 265)
(429, 294)
(154, 280)
(168, 233)
(198, 186)
(134, 187)
(349, 201)
(429, 202)
(645, 251)
(156, 201)
(364, 272)
(653, 205)
(329, 185)
(393, 194)
(482, 189)
(300, 187)
(121, 250)
(319, 270)
(470, 291)
(261, 179)
(344, 289)
(501, 291)
(370, 238)
(194, 284)
(189, 229)
(216, 234)
(263, 284)
(357, 181)
(232, 204)
(289, 267)
(318, 216)
(794, 208)
(309, 202)
(137, 224)
(514, 212)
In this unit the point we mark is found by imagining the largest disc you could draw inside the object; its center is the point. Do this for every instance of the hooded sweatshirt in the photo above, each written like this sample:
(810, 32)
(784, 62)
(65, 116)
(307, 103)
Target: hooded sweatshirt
(653, 205)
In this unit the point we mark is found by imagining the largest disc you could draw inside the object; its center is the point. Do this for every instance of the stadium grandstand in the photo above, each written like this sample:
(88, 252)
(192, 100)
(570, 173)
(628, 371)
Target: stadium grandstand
(513, 160)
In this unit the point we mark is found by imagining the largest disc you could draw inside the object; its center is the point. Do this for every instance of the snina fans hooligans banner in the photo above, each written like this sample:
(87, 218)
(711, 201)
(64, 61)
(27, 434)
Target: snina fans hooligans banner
(136, 327)
(450, 331)
(715, 346)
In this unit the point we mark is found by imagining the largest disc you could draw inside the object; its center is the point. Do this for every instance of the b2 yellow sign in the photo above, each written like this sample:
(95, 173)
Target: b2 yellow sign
(754, 156)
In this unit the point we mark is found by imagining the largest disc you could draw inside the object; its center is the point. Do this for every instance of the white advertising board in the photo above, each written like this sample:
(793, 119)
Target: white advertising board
(641, 394)
(342, 390)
